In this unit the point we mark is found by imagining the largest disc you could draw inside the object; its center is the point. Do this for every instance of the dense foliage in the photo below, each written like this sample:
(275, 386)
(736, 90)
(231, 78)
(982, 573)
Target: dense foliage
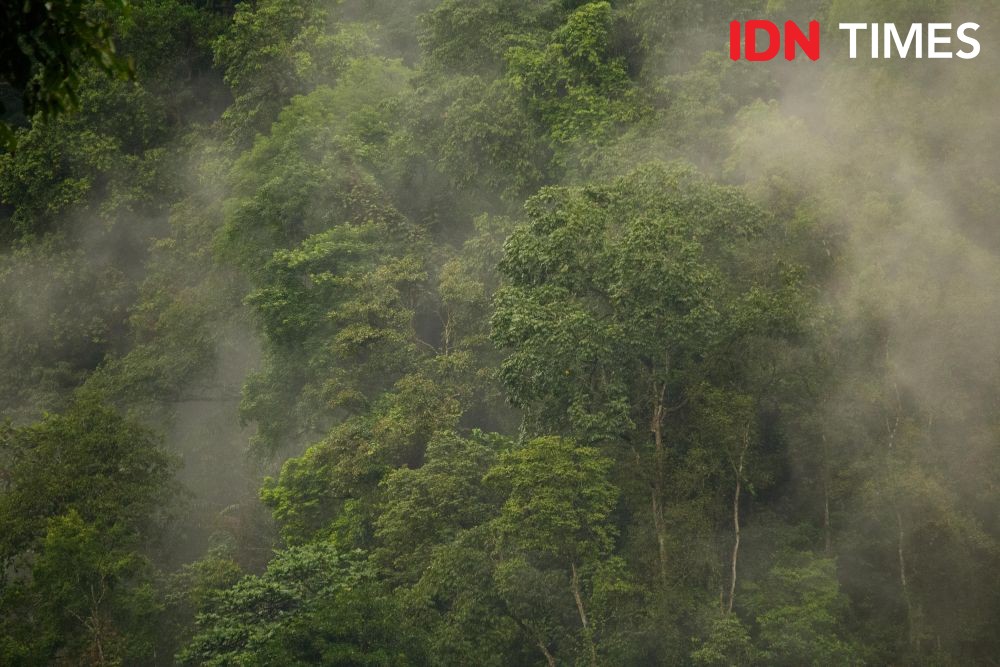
(493, 332)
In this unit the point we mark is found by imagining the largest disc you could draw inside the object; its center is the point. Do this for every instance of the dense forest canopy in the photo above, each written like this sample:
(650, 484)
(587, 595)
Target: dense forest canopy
(494, 332)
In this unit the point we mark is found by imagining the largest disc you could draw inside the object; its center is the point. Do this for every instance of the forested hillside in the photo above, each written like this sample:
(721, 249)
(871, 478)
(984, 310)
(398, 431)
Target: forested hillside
(498, 333)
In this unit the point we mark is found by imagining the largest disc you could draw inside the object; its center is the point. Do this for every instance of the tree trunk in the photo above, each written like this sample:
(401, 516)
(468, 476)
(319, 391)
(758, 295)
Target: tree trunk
(736, 520)
(827, 529)
(903, 582)
(96, 624)
(893, 428)
(539, 641)
(901, 561)
(549, 658)
(575, 583)
(659, 525)
(827, 539)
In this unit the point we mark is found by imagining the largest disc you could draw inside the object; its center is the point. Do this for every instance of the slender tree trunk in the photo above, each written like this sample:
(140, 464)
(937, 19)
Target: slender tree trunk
(575, 583)
(661, 534)
(892, 428)
(827, 539)
(903, 581)
(549, 658)
(446, 333)
(659, 525)
(736, 548)
(96, 623)
(827, 529)
(736, 520)
(539, 641)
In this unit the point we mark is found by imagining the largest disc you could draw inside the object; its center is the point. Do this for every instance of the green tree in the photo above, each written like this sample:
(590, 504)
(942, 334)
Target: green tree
(47, 47)
(624, 302)
(428, 506)
(83, 493)
(314, 604)
(574, 83)
(90, 460)
(89, 599)
(798, 611)
(554, 534)
(274, 50)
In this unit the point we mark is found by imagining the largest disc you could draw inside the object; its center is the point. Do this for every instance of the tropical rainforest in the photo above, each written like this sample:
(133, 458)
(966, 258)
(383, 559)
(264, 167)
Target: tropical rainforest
(495, 333)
